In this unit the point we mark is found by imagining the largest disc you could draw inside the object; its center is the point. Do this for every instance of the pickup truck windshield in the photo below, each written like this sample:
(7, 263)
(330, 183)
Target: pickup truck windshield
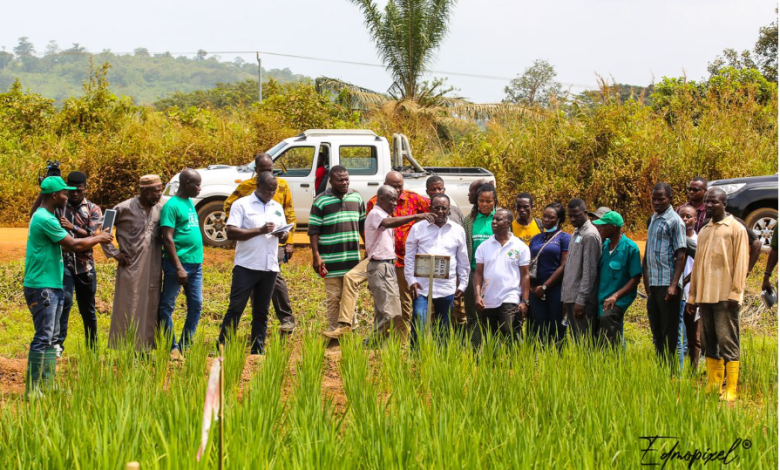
(273, 152)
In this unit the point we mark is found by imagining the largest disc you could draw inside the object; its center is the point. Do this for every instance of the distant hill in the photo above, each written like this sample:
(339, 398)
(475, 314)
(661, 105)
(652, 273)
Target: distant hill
(146, 78)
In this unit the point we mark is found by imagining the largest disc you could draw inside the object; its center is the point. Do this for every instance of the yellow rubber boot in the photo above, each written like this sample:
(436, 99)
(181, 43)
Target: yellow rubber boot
(715, 372)
(732, 376)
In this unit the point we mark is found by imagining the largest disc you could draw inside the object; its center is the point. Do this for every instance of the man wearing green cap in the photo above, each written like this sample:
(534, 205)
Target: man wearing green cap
(620, 270)
(43, 273)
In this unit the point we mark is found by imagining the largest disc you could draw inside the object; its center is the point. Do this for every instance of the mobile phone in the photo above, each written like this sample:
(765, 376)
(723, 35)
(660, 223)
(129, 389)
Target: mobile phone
(108, 220)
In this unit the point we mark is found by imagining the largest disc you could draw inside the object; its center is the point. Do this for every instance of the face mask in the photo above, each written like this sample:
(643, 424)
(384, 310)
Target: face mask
(551, 230)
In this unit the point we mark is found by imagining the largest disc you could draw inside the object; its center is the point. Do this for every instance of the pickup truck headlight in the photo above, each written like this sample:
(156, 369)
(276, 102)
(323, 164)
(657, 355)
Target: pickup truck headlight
(730, 189)
(171, 189)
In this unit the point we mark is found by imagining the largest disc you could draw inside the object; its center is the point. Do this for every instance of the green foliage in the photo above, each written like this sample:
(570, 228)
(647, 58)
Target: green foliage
(763, 57)
(610, 153)
(613, 154)
(443, 407)
(59, 74)
(224, 95)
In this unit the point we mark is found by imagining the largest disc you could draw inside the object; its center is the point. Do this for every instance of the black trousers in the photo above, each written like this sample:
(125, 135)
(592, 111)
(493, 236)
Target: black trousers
(281, 298)
(611, 327)
(83, 287)
(664, 323)
(260, 286)
(500, 320)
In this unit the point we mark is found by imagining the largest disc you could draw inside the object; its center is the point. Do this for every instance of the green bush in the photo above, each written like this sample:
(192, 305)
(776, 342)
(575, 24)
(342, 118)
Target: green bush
(610, 153)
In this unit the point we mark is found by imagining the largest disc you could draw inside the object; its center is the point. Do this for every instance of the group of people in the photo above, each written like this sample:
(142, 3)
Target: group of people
(498, 269)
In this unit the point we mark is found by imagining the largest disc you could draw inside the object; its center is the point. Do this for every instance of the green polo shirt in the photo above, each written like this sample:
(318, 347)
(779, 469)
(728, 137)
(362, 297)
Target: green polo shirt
(616, 269)
(180, 215)
(480, 232)
(43, 266)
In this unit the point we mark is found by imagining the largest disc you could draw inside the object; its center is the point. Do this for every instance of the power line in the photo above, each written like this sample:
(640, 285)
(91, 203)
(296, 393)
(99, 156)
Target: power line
(334, 61)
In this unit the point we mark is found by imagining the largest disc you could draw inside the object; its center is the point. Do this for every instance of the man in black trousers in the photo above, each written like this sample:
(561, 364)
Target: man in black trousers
(252, 219)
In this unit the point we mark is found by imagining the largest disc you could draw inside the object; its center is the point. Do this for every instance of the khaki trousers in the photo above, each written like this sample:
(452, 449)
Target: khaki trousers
(383, 285)
(334, 286)
(406, 297)
(357, 276)
(352, 281)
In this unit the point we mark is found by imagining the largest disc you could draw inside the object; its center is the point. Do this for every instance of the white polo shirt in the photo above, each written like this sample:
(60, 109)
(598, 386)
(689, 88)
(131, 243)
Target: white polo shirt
(501, 270)
(260, 253)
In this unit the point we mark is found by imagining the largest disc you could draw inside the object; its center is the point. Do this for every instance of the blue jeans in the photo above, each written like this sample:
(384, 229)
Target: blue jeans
(45, 305)
(682, 343)
(545, 317)
(193, 291)
(441, 315)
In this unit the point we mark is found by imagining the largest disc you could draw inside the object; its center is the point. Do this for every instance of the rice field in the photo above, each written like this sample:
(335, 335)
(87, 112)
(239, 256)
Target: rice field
(443, 406)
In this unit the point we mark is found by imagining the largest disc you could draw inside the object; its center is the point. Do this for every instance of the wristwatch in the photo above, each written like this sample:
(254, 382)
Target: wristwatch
(525, 302)
(544, 287)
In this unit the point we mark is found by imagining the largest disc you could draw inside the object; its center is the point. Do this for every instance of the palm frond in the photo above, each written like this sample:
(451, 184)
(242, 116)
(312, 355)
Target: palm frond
(484, 111)
(354, 96)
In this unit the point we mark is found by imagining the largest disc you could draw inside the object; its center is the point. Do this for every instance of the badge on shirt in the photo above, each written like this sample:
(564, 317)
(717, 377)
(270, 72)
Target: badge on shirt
(577, 239)
(278, 213)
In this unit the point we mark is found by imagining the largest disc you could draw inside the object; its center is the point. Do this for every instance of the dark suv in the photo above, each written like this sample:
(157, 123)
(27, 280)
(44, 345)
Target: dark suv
(753, 199)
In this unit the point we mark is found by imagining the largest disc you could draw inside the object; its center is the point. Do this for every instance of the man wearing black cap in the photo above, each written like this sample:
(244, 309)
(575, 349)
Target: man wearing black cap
(80, 218)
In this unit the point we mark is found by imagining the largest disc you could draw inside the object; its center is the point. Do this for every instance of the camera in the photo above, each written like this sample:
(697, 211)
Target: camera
(52, 169)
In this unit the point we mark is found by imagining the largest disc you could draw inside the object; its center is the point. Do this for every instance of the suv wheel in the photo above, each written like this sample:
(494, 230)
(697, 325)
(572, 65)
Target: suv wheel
(763, 222)
(213, 224)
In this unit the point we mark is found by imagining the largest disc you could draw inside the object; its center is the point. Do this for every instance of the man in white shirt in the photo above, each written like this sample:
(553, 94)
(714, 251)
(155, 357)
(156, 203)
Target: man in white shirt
(443, 237)
(501, 281)
(252, 219)
(380, 253)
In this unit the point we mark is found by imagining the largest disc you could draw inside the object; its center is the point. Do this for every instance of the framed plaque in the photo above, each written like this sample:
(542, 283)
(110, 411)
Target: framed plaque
(441, 266)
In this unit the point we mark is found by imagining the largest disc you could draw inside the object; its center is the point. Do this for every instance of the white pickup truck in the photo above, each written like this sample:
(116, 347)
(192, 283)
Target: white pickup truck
(367, 156)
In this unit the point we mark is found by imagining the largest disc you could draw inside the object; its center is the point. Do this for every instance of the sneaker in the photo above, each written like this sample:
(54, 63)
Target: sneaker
(287, 327)
(58, 348)
(176, 356)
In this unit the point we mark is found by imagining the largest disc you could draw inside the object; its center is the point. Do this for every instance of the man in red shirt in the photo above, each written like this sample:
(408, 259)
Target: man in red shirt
(697, 188)
(409, 203)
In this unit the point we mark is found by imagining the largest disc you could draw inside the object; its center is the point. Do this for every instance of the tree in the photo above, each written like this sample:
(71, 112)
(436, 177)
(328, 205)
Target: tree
(406, 37)
(52, 48)
(24, 48)
(535, 87)
(76, 48)
(763, 58)
(766, 50)
(141, 52)
(201, 55)
(5, 59)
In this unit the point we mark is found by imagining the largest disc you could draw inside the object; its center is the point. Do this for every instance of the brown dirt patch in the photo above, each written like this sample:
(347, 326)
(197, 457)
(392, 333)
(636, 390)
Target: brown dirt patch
(12, 373)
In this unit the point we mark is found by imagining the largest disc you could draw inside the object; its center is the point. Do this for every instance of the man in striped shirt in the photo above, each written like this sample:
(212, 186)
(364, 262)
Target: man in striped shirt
(335, 228)
(663, 267)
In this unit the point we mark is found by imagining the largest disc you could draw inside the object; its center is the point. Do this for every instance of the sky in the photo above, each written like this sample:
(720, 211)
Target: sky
(629, 41)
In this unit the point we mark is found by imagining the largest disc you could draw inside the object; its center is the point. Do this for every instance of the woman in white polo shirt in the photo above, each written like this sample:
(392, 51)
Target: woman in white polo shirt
(501, 282)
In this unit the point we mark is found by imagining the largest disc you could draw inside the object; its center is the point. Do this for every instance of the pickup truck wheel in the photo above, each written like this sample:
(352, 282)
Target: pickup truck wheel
(213, 224)
(763, 222)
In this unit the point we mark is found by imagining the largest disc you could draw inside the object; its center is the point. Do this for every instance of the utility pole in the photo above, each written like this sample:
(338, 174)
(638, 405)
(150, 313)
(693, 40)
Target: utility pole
(259, 78)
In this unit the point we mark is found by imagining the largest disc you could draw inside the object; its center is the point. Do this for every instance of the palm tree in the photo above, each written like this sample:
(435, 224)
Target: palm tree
(406, 36)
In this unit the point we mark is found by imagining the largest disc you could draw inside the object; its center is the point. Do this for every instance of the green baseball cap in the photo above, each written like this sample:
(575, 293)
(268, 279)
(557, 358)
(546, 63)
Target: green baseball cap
(52, 184)
(610, 218)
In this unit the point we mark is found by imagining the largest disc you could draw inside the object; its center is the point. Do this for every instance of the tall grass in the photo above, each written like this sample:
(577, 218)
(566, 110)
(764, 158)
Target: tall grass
(610, 154)
(444, 406)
